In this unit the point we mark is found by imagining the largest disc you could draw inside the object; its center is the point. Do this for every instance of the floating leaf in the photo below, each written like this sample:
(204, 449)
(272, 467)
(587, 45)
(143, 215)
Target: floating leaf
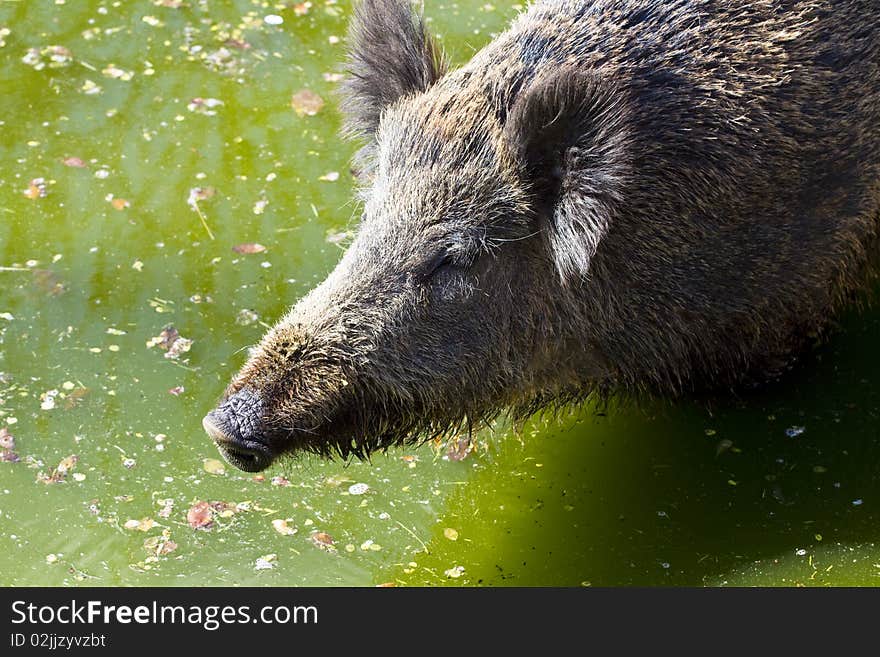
(213, 466)
(451, 534)
(116, 73)
(171, 342)
(249, 248)
(283, 527)
(197, 194)
(165, 339)
(7, 441)
(322, 540)
(74, 397)
(142, 525)
(200, 516)
(306, 102)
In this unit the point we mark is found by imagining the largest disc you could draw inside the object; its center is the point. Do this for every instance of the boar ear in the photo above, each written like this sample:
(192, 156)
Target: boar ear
(567, 131)
(391, 55)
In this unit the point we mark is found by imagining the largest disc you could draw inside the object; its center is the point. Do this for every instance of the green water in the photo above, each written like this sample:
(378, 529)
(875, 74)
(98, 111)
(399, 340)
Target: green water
(105, 251)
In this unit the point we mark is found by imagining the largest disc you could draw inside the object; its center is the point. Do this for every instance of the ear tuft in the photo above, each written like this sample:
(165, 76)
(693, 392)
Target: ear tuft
(567, 132)
(391, 55)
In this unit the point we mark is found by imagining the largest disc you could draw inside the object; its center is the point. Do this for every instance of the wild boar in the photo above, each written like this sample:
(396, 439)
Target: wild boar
(612, 195)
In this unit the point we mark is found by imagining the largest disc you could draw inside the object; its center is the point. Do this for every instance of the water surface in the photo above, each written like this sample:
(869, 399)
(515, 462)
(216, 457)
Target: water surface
(140, 143)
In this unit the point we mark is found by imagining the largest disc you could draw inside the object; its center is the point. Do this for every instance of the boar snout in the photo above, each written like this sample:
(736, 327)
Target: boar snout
(235, 427)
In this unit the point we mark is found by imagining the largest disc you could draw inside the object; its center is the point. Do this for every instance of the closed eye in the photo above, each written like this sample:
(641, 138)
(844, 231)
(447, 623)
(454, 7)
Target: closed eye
(440, 262)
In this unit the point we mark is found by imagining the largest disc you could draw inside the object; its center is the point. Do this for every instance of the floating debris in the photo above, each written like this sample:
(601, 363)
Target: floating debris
(358, 489)
(204, 106)
(59, 474)
(90, 88)
(336, 237)
(47, 400)
(116, 73)
(278, 480)
(260, 205)
(48, 56)
(7, 441)
(214, 467)
(167, 507)
(322, 540)
(160, 545)
(451, 534)
(249, 248)
(794, 432)
(74, 397)
(273, 19)
(458, 448)
(455, 572)
(331, 176)
(266, 562)
(74, 162)
(306, 102)
(246, 317)
(7, 447)
(197, 194)
(36, 189)
(284, 527)
(170, 341)
(142, 525)
(176, 391)
(200, 516)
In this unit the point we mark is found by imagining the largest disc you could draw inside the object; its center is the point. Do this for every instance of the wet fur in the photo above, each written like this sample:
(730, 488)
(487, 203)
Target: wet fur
(623, 196)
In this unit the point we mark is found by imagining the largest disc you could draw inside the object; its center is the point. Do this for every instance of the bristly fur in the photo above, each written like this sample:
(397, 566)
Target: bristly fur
(612, 197)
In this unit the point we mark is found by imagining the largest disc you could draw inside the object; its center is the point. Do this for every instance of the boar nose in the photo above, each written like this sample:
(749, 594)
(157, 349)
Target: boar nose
(234, 426)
